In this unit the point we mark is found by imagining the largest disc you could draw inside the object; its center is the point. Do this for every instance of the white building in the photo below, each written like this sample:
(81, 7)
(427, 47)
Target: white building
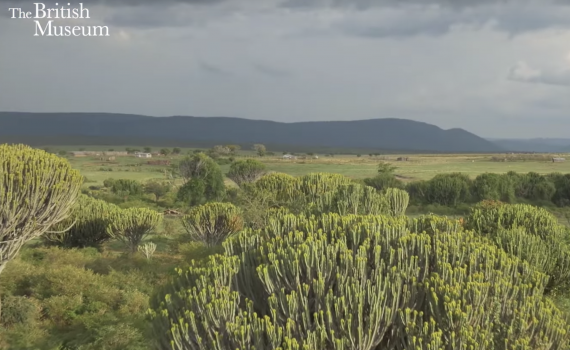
(143, 155)
(288, 156)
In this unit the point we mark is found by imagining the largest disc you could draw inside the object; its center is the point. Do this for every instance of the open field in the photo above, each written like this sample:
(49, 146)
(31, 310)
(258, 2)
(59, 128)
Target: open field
(418, 167)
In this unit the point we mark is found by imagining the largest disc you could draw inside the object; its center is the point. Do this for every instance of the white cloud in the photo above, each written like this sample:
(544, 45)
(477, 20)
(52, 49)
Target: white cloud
(522, 72)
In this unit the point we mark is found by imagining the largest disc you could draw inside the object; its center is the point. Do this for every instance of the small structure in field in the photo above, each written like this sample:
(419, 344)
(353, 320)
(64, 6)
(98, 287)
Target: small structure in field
(143, 155)
(558, 160)
(289, 156)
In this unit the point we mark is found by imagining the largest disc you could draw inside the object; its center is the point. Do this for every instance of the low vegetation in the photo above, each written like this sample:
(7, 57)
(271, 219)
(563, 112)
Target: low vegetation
(319, 261)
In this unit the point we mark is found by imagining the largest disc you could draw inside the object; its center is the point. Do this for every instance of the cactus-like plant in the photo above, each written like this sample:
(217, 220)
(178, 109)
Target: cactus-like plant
(528, 232)
(132, 225)
(398, 200)
(37, 191)
(245, 171)
(359, 282)
(212, 223)
(147, 249)
(284, 186)
(352, 198)
(315, 184)
(85, 227)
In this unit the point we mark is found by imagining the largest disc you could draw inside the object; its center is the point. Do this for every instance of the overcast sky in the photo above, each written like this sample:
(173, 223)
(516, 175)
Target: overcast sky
(498, 68)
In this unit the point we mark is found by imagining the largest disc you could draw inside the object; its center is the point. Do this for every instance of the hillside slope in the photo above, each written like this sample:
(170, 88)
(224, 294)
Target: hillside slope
(380, 134)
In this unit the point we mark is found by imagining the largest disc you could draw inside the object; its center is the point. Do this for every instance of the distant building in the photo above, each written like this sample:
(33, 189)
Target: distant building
(289, 156)
(143, 155)
(558, 160)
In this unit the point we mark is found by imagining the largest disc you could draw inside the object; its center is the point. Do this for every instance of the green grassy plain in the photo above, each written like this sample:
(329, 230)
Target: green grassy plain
(418, 167)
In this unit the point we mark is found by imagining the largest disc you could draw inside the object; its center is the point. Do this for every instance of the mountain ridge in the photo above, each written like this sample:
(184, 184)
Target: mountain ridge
(380, 134)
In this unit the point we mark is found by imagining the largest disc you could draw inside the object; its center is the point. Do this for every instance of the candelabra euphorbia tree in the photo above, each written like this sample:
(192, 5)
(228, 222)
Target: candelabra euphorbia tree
(37, 191)
(360, 283)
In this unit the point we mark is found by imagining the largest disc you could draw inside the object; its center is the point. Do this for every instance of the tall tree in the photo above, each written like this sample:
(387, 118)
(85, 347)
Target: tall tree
(260, 149)
(203, 178)
(37, 191)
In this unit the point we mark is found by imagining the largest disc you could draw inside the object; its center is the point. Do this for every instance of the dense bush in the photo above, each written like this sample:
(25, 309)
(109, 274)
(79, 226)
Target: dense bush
(212, 223)
(54, 299)
(85, 227)
(132, 225)
(454, 189)
(125, 187)
(354, 282)
(249, 170)
(204, 180)
(528, 232)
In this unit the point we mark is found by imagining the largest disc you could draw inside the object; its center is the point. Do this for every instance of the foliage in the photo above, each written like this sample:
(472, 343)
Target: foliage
(284, 186)
(260, 149)
(126, 187)
(397, 200)
(147, 249)
(248, 170)
(254, 202)
(132, 225)
(37, 191)
(158, 189)
(349, 198)
(386, 168)
(384, 181)
(85, 227)
(54, 299)
(446, 189)
(528, 232)
(204, 180)
(489, 186)
(358, 282)
(212, 223)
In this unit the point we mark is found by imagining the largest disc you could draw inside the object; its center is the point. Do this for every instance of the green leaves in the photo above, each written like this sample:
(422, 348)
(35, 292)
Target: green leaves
(361, 282)
(132, 225)
(212, 223)
(85, 227)
(37, 191)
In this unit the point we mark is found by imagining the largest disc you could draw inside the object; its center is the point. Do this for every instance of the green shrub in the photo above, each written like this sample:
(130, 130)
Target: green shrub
(85, 227)
(132, 225)
(212, 223)
(19, 310)
(358, 282)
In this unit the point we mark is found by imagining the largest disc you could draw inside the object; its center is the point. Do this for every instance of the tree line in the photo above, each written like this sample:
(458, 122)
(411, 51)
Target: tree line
(452, 189)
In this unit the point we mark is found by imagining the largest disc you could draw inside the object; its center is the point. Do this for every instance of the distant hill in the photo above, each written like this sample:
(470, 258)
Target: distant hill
(374, 134)
(541, 145)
